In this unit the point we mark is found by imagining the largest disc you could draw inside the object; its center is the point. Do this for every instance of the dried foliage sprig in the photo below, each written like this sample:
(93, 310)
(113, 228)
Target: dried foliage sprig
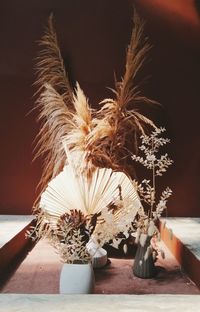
(67, 236)
(147, 188)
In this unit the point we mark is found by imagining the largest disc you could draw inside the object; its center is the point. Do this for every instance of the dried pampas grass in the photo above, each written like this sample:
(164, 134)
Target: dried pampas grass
(50, 66)
(61, 127)
(119, 122)
(106, 137)
(56, 122)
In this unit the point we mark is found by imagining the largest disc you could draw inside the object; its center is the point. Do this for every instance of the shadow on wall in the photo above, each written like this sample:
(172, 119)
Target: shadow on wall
(197, 5)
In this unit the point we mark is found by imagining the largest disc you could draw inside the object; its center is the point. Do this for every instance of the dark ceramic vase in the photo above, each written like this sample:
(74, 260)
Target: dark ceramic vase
(144, 266)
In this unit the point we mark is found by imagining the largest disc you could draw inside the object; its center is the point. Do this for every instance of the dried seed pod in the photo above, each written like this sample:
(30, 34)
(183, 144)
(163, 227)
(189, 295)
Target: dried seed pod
(143, 238)
(162, 254)
(151, 228)
(137, 237)
(125, 248)
(154, 255)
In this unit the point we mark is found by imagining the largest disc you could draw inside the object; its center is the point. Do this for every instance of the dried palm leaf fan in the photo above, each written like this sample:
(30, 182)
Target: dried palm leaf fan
(68, 192)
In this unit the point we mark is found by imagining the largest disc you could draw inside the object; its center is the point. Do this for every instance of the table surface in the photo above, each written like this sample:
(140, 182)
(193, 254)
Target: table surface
(11, 225)
(39, 274)
(99, 303)
(187, 230)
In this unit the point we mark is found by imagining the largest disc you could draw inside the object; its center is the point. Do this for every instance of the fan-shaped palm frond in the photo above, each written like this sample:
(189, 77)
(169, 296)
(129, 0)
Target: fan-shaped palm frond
(71, 191)
(74, 208)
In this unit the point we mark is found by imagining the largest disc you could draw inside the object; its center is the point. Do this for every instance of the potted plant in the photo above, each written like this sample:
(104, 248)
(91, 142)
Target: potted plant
(75, 210)
(150, 212)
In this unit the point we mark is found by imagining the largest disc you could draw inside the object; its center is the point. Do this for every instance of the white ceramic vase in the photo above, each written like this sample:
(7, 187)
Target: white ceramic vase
(77, 279)
(98, 254)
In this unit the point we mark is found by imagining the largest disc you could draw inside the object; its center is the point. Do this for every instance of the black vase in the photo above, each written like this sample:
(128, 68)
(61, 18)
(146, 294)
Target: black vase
(144, 266)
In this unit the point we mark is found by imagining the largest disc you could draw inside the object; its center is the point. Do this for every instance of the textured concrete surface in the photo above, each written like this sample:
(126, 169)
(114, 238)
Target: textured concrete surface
(39, 274)
(11, 225)
(13, 242)
(187, 230)
(99, 303)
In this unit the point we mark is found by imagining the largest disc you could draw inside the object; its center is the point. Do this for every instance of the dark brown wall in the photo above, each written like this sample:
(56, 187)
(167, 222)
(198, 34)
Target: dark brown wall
(93, 37)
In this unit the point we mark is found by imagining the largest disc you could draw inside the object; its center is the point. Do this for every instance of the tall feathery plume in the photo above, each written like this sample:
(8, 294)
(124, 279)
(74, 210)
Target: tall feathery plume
(82, 122)
(76, 140)
(50, 66)
(119, 121)
(56, 122)
(62, 129)
(55, 104)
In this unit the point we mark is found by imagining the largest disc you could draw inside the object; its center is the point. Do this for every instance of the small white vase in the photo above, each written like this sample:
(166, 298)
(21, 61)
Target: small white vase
(76, 279)
(98, 254)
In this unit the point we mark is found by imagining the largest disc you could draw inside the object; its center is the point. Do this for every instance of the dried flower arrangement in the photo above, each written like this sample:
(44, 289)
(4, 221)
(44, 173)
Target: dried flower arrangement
(86, 187)
(75, 209)
(150, 212)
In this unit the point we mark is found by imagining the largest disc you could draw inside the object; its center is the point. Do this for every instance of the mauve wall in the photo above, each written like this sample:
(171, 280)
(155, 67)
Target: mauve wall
(93, 37)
